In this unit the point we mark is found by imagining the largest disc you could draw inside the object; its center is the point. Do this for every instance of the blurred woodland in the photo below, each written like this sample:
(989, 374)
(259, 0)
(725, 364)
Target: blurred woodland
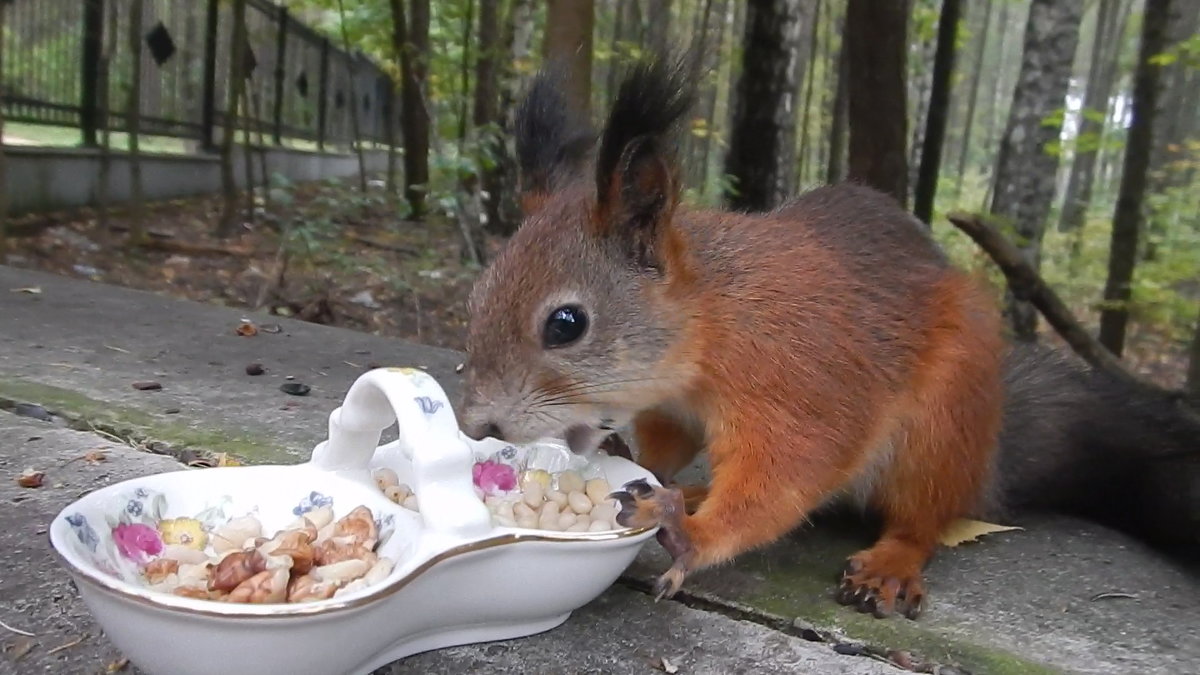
(1065, 128)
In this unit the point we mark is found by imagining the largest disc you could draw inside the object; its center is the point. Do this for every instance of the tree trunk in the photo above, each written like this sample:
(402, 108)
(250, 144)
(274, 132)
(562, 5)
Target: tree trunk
(229, 208)
(920, 85)
(939, 103)
(1105, 50)
(501, 181)
(839, 117)
(410, 38)
(569, 40)
(485, 114)
(999, 92)
(133, 112)
(1177, 117)
(761, 146)
(1025, 171)
(464, 72)
(964, 147)
(389, 131)
(658, 20)
(806, 108)
(1128, 215)
(704, 66)
(104, 176)
(876, 47)
(355, 104)
(725, 16)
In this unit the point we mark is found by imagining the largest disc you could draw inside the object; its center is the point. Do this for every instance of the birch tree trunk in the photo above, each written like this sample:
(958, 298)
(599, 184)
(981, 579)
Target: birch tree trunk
(501, 182)
(1024, 185)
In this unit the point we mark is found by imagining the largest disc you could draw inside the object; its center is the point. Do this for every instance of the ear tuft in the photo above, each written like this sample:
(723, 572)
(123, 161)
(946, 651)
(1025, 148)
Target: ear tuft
(552, 138)
(653, 97)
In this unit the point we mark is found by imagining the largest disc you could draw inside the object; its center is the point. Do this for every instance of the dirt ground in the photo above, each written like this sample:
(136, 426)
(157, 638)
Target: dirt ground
(324, 252)
(344, 260)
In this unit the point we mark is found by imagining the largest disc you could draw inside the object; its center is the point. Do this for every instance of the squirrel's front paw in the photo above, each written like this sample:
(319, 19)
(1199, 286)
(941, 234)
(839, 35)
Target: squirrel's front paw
(645, 505)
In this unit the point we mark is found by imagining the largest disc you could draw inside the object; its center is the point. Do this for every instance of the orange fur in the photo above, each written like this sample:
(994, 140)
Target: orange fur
(786, 432)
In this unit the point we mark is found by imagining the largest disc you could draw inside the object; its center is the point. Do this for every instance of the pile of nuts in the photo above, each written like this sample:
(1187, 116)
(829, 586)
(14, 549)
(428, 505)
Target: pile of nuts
(562, 502)
(313, 558)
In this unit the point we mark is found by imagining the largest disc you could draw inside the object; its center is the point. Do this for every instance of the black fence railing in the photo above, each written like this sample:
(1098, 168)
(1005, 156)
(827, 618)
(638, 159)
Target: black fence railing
(298, 84)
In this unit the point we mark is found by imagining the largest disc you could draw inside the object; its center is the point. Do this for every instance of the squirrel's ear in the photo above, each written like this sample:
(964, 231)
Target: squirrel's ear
(636, 173)
(552, 139)
(640, 198)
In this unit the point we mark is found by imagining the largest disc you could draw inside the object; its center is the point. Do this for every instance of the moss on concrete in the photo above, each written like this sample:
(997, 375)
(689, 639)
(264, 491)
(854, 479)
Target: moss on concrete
(129, 423)
(795, 591)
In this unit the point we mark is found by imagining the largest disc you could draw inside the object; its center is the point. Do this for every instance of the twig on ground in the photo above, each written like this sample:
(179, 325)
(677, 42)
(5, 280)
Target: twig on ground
(18, 631)
(68, 645)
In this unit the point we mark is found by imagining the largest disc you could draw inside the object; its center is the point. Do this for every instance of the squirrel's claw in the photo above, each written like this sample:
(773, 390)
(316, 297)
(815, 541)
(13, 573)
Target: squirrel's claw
(880, 594)
(645, 505)
(669, 583)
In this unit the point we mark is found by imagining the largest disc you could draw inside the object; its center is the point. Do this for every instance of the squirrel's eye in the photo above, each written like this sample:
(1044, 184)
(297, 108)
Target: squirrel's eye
(565, 325)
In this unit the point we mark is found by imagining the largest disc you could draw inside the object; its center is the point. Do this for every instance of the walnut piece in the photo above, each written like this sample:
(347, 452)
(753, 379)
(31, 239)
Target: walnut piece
(158, 570)
(264, 587)
(235, 569)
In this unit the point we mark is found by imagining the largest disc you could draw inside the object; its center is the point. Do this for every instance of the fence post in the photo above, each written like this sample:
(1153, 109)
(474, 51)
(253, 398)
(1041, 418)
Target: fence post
(208, 114)
(280, 72)
(323, 100)
(93, 45)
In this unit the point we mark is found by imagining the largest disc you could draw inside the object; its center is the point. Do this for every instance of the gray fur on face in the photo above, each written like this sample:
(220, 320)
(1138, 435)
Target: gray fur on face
(603, 379)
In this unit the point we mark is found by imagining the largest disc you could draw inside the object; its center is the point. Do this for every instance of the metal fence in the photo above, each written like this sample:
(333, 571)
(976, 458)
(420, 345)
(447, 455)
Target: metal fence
(298, 84)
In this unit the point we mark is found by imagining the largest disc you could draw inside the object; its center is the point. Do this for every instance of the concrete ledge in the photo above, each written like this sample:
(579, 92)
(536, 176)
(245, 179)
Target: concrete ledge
(47, 179)
(1019, 602)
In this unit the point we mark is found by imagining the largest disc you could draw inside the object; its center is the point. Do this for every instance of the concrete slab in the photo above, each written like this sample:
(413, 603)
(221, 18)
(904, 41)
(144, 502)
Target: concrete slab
(1015, 602)
(77, 346)
(621, 632)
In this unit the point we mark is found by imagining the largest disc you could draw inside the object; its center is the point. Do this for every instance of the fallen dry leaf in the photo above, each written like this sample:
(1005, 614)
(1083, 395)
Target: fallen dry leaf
(247, 329)
(224, 459)
(31, 479)
(117, 666)
(32, 290)
(964, 530)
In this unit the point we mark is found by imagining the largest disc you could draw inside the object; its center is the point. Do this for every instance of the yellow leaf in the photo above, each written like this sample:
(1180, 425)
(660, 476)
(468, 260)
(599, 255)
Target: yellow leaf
(964, 530)
(225, 460)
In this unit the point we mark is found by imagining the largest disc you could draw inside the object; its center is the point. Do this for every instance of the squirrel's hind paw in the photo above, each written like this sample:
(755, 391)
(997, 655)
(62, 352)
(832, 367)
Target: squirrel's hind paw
(880, 592)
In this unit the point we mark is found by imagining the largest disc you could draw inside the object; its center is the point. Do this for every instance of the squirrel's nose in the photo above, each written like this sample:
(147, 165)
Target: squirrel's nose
(482, 431)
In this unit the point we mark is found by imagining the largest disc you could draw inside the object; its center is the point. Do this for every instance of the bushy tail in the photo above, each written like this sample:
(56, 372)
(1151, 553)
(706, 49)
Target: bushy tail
(1079, 441)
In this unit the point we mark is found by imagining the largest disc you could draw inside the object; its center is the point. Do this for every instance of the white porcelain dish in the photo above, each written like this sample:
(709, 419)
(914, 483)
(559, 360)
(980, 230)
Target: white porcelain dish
(458, 577)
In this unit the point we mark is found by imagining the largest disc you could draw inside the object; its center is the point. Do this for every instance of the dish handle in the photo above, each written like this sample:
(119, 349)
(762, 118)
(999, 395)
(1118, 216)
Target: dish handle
(442, 460)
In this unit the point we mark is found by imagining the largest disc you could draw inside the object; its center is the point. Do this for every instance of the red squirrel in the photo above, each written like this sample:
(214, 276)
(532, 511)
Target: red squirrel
(826, 350)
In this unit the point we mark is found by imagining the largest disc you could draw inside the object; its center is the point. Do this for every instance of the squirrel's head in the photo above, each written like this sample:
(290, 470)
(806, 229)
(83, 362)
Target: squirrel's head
(570, 328)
